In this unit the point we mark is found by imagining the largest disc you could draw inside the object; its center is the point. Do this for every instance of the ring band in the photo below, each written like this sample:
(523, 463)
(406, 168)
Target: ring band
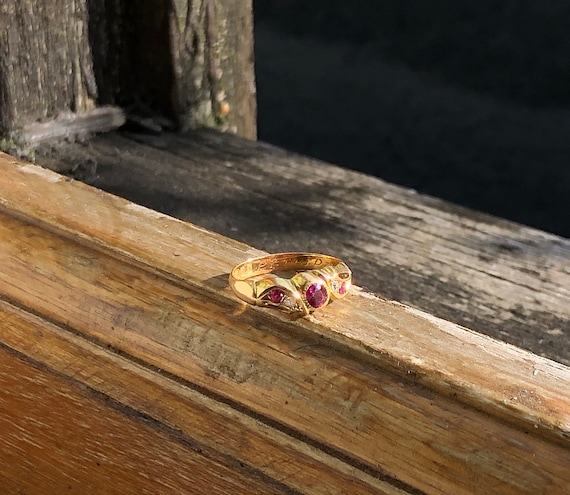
(318, 279)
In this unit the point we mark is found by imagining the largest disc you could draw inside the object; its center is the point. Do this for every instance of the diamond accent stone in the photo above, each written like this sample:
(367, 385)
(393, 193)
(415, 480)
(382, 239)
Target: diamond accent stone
(340, 288)
(317, 295)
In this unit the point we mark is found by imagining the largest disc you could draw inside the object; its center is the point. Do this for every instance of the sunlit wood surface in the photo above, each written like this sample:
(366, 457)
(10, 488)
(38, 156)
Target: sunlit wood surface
(128, 366)
(490, 275)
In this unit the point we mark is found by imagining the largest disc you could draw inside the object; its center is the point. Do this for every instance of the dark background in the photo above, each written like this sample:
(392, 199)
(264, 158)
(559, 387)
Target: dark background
(468, 101)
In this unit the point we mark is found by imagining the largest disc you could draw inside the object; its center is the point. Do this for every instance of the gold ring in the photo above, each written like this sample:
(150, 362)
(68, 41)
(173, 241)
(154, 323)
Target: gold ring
(295, 282)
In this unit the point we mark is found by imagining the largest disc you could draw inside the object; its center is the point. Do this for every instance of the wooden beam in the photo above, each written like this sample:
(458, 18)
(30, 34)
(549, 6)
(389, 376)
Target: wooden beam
(110, 307)
(59, 434)
(496, 277)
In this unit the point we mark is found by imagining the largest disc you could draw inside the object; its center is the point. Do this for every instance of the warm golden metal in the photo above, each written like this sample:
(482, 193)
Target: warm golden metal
(295, 282)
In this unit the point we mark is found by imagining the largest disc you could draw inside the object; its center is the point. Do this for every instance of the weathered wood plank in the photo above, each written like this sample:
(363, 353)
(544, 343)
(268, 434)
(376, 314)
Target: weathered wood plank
(45, 61)
(198, 429)
(493, 276)
(391, 392)
(212, 57)
(167, 64)
(59, 437)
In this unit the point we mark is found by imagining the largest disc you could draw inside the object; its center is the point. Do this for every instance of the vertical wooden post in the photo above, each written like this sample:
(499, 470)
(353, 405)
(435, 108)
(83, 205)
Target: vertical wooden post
(65, 61)
(212, 49)
(45, 61)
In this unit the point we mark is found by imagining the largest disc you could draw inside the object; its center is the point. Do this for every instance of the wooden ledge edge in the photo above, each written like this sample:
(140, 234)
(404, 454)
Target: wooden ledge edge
(392, 393)
(512, 383)
(66, 125)
(127, 385)
(492, 376)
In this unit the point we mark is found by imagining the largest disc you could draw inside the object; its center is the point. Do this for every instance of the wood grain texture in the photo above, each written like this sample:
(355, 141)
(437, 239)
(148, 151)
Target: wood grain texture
(181, 63)
(154, 421)
(212, 58)
(490, 275)
(369, 393)
(58, 437)
(45, 61)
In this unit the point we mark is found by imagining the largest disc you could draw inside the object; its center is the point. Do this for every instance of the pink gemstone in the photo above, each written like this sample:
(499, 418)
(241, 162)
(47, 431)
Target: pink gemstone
(276, 296)
(316, 295)
(342, 289)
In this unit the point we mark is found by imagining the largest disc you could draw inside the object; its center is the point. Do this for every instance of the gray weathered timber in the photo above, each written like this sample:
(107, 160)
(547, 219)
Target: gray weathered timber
(166, 64)
(490, 275)
(212, 57)
(45, 61)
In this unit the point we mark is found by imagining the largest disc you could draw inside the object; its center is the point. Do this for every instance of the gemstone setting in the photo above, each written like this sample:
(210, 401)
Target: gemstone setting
(276, 296)
(343, 289)
(340, 288)
(317, 295)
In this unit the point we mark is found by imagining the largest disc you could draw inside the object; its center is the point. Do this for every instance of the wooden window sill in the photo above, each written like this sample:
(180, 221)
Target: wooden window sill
(126, 357)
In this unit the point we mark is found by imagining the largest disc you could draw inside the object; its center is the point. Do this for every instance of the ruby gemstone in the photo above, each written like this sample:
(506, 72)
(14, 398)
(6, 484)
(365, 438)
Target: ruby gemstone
(342, 289)
(316, 295)
(276, 296)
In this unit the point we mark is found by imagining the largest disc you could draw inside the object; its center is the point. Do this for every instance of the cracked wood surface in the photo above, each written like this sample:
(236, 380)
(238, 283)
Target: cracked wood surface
(111, 308)
(493, 276)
